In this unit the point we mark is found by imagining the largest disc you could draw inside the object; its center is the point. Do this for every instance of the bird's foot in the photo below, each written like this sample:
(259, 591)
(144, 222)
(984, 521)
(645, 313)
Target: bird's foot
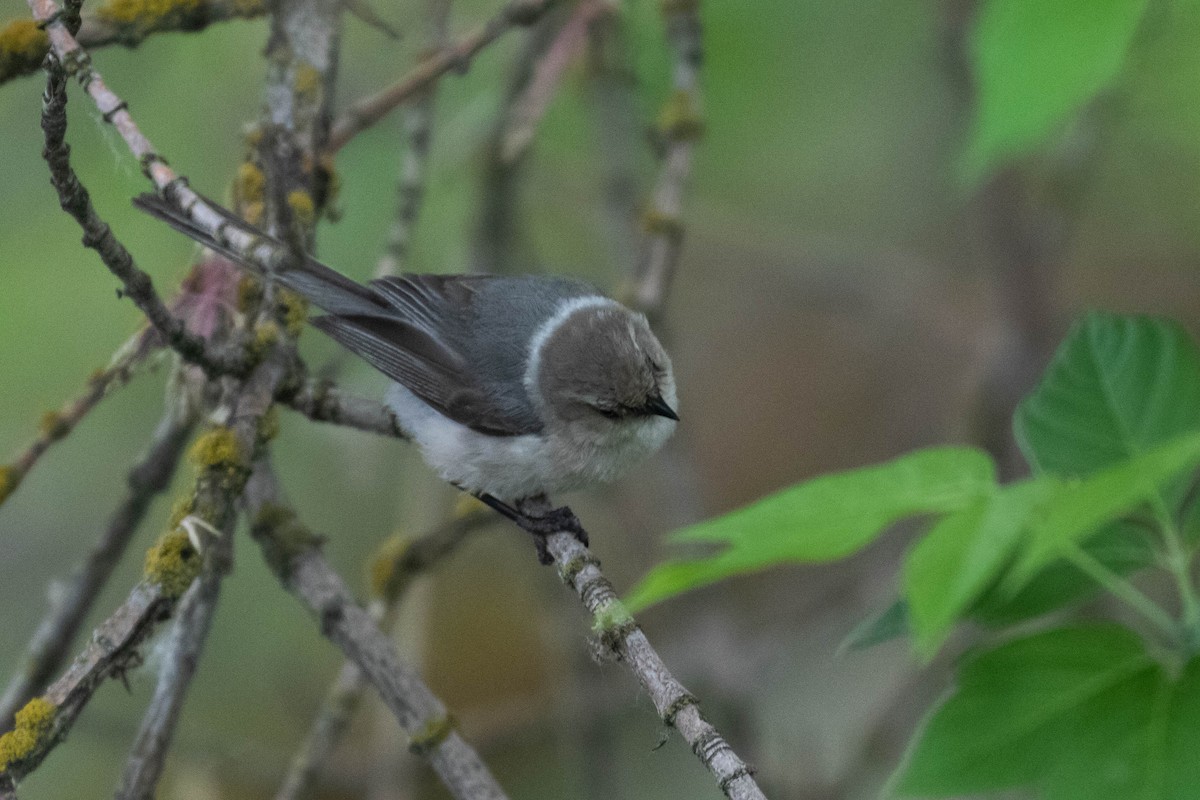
(540, 524)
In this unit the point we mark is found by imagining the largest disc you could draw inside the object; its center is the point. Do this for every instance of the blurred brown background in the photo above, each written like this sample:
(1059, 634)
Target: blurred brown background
(842, 298)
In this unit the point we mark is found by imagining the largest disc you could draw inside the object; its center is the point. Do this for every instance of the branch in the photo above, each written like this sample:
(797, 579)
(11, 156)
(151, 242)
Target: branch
(149, 752)
(22, 46)
(97, 235)
(418, 130)
(57, 425)
(366, 112)
(392, 573)
(620, 634)
(680, 124)
(294, 555)
(113, 649)
(321, 401)
(48, 647)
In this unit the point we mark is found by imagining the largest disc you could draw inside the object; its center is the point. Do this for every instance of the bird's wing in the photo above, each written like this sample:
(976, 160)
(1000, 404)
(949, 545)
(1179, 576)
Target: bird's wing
(431, 369)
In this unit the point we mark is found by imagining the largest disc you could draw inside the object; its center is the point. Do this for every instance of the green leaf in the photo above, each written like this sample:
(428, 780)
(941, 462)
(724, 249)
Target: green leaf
(891, 623)
(1077, 713)
(1120, 547)
(1118, 386)
(964, 554)
(824, 519)
(1036, 64)
(1079, 509)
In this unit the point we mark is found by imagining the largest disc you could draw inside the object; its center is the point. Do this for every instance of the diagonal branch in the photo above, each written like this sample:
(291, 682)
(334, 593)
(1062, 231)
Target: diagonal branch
(620, 634)
(149, 753)
(392, 574)
(97, 235)
(366, 112)
(48, 648)
(294, 555)
(57, 425)
(680, 125)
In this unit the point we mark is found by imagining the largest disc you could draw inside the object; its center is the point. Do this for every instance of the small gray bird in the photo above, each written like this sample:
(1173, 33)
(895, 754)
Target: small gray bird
(512, 387)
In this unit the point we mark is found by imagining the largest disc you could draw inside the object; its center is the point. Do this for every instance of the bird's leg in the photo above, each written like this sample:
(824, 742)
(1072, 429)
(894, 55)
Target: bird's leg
(538, 525)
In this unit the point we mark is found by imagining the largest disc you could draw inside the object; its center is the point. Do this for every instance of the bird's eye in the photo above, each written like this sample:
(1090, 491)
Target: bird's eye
(608, 412)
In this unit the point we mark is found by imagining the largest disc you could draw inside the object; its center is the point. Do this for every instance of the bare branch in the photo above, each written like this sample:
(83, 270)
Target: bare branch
(114, 648)
(418, 132)
(366, 112)
(620, 634)
(97, 235)
(293, 553)
(48, 647)
(149, 752)
(392, 573)
(498, 244)
(680, 125)
(57, 425)
(321, 401)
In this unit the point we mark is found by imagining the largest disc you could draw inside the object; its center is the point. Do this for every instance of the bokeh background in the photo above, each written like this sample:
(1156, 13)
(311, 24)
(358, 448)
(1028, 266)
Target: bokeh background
(843, 296)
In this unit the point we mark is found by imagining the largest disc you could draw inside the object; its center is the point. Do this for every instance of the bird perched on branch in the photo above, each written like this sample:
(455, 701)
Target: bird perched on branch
(514, 388)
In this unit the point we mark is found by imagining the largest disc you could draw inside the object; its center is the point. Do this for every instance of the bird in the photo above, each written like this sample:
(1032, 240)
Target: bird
(514, 388)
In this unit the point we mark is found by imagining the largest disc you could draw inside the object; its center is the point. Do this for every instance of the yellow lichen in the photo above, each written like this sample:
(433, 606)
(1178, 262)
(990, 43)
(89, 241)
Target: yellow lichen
(249, 185)
(679, 118)
(654, 221)
(253, 212)
(53, 426)
(383, 575)
(9, 478)
(466, 505)
(249, 293)
(294, 310)
(268, 424)
(302, 206)
(148, 15)
(172, 563)
(266, 333)
(307, 80)
(249, 8)
(33, 722)
(23, 45)
(218, 448)
(431, 734)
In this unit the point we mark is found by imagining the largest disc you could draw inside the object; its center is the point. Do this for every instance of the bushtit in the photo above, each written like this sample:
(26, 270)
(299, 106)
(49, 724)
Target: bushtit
(512, 387)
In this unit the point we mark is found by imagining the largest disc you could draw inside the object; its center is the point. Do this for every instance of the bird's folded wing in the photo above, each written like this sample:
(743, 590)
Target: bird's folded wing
(431, 370)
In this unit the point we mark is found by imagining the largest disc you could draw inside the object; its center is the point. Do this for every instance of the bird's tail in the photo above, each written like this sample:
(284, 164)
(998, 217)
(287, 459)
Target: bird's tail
(322, 286)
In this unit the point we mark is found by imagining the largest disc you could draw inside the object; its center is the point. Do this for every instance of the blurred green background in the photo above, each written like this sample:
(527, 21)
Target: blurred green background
(843, 296)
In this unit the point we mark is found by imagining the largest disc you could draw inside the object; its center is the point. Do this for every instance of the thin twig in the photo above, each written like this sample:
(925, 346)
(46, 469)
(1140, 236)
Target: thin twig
(48, 647)
(612, 91)
(57, 425)
(366, 112)
(619, 634)
(321, 401)
(97, 235)
(393, 574)
(414, 169)
(680, 125)
(148, 755)
(498, 242)
(294, 555)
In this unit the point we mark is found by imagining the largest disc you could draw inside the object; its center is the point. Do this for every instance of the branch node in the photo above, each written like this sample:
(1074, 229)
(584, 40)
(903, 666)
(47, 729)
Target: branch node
(431, 734)
(683, 701)
(570, 571)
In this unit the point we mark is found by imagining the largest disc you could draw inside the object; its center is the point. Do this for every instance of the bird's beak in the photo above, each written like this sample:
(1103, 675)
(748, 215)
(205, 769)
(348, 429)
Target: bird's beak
(659, 407)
